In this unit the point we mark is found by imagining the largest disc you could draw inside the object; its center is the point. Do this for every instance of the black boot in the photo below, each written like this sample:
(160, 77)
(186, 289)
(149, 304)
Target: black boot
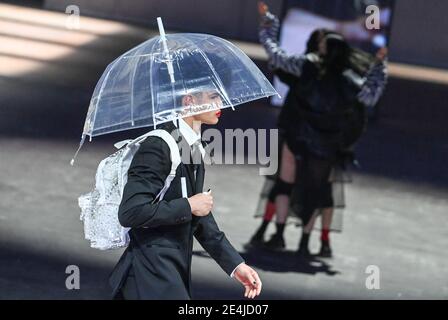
(325, 250)
(303, 251)
(258, 238)
(277, 242)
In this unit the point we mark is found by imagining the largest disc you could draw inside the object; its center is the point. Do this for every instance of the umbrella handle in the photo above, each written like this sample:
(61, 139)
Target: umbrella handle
(165, 48)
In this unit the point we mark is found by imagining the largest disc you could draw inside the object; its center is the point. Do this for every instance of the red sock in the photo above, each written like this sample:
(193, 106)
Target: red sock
(325, 235)
(269, 211)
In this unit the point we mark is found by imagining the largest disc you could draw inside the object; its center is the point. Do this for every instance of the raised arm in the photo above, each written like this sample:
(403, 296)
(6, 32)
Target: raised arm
(146, 177)
(278, 58)
(374, 83)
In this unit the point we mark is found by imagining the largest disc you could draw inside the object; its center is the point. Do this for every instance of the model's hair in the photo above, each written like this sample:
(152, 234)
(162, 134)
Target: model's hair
(341, 55)
(336, 58)
(312, 45)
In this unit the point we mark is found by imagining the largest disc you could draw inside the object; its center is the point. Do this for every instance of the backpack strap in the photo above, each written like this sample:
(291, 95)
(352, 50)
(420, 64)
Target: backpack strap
(131, 142)
(175, 158)
(174, 154)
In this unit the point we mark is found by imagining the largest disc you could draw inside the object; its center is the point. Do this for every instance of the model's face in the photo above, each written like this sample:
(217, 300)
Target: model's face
(206, 98)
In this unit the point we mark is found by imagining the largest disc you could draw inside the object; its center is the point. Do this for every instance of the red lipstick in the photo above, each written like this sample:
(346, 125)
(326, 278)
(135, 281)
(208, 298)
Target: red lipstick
(218, 113)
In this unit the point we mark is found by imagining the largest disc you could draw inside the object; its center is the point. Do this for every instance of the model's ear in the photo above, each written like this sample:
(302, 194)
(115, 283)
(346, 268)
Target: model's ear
(188, 100)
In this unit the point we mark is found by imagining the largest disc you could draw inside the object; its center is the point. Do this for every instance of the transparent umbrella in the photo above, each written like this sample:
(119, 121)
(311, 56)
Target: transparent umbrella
(144, 86)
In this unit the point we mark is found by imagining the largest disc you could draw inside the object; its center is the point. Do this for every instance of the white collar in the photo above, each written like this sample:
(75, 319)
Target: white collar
(187, 132)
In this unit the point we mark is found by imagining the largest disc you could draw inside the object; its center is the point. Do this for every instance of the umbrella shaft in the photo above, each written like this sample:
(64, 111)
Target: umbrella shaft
(165, 49)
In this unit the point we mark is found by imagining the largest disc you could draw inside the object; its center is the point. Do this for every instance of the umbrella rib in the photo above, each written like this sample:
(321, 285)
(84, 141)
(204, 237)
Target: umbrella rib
(151, 86)
(132, 91)
(98, 100)
(214, 73)
(232, 48)
(138, 56)
(226, 97)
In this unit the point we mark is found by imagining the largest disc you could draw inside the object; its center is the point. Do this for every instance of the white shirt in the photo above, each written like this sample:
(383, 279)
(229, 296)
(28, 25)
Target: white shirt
(192, 137)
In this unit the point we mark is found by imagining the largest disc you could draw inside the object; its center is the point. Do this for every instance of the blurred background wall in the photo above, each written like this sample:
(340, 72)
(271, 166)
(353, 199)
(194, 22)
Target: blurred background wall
(235, 19)
(418, 34)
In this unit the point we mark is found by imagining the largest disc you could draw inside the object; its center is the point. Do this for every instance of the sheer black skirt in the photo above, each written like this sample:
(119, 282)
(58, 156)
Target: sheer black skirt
(319, 183)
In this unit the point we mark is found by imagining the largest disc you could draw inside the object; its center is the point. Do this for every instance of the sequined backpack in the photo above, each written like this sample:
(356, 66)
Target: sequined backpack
(99, 208)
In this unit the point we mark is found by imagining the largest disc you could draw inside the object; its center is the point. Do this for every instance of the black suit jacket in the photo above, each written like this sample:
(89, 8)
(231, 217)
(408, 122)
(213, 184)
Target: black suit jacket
(160, 251)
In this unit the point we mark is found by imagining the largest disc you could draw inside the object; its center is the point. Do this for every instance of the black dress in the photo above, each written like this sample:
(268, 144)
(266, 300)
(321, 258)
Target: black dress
(320, 121)
(323, 117)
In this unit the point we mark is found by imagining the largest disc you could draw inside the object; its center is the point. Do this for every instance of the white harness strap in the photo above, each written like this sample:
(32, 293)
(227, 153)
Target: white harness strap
(174, 151)
(175, 159)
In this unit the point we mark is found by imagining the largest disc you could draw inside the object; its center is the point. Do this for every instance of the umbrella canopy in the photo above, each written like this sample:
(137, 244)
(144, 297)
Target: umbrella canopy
(145, 86)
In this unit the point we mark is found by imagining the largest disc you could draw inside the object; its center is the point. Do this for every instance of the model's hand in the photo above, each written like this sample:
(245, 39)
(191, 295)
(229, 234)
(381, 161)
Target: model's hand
(381, 54)
(262, 8)
(201, 204)
(249, 278)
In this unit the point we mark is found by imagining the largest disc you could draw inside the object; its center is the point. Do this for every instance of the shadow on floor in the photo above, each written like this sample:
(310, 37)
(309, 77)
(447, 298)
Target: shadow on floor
(32, 273)
(284, 261)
